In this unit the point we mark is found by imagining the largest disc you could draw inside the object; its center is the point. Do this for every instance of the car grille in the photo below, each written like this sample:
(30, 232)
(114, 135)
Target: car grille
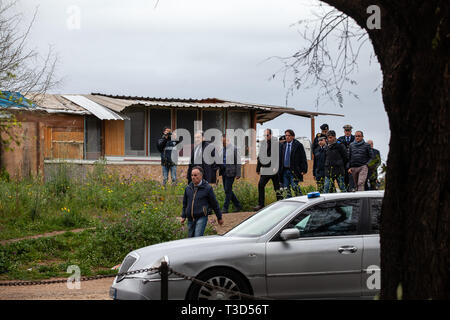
(126, 265)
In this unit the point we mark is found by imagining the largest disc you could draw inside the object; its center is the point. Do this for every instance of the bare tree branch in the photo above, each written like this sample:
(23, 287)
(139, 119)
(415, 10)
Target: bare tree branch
(329, 58)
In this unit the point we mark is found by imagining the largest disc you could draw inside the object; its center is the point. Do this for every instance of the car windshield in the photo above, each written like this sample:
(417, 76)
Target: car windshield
(265, 220)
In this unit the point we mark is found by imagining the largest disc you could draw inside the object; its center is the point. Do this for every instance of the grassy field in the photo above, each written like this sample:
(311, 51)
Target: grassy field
(123, 215)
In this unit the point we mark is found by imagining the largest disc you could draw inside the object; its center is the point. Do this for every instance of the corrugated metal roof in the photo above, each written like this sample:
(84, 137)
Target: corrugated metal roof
(96, 109)
(108, 107)
(119, 103)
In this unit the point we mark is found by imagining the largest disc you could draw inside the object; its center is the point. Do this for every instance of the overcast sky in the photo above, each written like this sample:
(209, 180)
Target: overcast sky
(197, 49)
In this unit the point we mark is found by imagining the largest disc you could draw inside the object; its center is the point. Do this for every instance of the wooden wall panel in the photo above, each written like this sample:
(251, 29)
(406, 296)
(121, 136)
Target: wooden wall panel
(114, 138)
(48, 143)
(67, 145)
(68, 136)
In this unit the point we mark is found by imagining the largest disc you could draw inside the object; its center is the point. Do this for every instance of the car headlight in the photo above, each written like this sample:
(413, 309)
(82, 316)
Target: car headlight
(127, 263)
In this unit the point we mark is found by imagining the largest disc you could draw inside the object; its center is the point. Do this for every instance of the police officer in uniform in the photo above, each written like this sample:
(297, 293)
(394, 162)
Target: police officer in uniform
(346, 140)
(324, 132)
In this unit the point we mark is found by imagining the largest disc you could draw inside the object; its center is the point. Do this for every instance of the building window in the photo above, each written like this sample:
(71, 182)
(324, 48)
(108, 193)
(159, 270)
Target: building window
(159, 118)
(93, 142)
(240, 120)
(212, 119)
(135, 132)
(185, 120)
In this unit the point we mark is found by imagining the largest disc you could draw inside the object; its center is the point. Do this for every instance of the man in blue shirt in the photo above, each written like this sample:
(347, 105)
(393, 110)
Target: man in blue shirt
(293, 164)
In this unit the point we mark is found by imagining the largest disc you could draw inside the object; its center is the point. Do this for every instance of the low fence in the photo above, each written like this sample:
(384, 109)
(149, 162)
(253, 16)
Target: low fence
(164, 271)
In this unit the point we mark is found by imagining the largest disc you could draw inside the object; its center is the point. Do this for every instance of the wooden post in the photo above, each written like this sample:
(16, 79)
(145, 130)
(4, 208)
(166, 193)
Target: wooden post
(313, 130)
(164, 271)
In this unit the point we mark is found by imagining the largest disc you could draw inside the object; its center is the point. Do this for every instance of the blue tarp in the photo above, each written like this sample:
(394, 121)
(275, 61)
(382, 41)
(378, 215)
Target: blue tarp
(14, 99)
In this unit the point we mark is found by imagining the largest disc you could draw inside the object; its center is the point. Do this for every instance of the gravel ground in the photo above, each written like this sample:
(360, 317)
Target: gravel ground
(96, 289)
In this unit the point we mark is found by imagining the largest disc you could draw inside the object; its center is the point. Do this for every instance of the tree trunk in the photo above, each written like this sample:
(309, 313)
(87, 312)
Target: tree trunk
(412, 47)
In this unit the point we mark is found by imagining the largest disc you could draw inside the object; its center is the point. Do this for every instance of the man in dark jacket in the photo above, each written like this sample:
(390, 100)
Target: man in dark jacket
(293, 164)
(335, 163)
(269, 168)
(166, 145)
(230, 169)
(372, 176)
(360, 155)
(319, 163)
(197, 159)
(198, 198)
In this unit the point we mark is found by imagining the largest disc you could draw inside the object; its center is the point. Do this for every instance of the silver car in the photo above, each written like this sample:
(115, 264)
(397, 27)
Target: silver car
(297, 248)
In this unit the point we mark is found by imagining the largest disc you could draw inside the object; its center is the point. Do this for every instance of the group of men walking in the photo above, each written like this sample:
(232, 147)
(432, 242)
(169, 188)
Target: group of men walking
(349, 160)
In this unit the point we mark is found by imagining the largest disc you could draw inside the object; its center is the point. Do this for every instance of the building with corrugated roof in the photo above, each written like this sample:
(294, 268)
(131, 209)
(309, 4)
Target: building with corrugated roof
(123, 131)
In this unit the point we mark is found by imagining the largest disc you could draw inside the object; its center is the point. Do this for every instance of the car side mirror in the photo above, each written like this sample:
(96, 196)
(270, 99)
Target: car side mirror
(289, 234)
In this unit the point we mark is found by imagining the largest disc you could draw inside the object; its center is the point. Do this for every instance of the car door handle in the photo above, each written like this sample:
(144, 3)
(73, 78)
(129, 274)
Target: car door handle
(347, 249)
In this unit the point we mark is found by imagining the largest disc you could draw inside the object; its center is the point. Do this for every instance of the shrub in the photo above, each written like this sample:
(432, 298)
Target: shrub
(135, 230)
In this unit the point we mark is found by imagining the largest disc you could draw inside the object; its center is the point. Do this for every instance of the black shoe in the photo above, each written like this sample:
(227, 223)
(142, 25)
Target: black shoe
(224, 211)
(258, 207)
(239, 209)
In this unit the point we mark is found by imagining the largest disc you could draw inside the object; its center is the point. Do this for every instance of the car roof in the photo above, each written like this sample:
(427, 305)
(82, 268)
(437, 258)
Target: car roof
(339, 196)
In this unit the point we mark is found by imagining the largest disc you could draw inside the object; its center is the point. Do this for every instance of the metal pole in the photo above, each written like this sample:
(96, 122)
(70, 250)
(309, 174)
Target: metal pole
(164, 272)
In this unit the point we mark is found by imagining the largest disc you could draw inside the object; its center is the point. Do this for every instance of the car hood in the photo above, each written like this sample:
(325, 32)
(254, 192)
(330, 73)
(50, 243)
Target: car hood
(192, 250)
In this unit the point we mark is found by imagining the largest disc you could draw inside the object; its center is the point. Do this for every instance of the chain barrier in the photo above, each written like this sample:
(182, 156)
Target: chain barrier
(124, 274)
(45, 282)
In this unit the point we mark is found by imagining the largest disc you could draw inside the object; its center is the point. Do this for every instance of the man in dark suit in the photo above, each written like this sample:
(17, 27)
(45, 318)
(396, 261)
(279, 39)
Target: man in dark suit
(319, 163)
(293, 164)
(197, 159)
(230, 169)
(269, 170)
(346, 140)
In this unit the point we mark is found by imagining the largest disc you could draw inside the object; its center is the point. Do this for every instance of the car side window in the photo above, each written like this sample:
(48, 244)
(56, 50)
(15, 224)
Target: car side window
(339, 218)
(375, 214)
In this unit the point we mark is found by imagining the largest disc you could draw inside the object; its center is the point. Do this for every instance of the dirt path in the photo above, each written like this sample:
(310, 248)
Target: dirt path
(49, 234)
(91, 290)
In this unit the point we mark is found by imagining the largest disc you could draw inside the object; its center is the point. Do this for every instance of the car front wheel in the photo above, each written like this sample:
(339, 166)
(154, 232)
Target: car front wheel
(224, 284)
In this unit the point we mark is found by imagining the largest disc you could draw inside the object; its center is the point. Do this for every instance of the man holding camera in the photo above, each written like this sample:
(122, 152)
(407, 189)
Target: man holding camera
(166, 145)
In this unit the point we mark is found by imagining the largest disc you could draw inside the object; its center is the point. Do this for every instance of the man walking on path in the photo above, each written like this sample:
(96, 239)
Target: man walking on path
(319, 163)
(198, 198)
(293, 164)
(264, 176)
(335, 163)
(360, 157)
(346, 140)
(373, 168)
(230, 169)
(198, 159)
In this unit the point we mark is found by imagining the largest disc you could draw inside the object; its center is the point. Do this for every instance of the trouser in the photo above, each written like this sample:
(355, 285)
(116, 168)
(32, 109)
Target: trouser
(290, 181)
(360, 176)
(263, 180)
(349, 183)
(196, 227)
(173, 173)
(229, 194)
(330, 180)
(320, 181)
(371, 183)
